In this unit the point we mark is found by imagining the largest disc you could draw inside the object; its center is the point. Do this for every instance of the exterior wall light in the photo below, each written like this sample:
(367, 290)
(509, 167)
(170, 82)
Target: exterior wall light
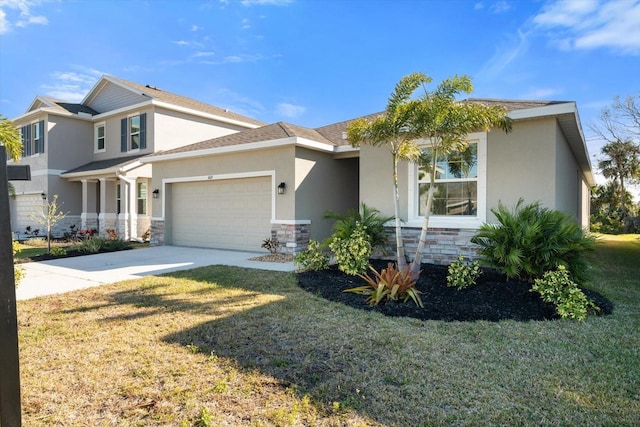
(282, 188)
(155, 193)
(44, 196)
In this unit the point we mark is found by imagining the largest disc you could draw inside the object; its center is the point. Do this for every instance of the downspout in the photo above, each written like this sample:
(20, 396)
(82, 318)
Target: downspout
(131, 184)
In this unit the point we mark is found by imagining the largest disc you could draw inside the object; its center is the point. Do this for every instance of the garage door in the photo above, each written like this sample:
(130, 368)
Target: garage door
(227, 214)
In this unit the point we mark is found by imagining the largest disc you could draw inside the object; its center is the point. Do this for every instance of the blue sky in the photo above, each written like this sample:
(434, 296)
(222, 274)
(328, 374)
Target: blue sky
(318, 62)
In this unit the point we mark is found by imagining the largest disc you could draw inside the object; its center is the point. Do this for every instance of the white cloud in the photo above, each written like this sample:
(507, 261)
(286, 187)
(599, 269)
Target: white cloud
(245, 24)
(499, 7)
(592, 24)
(71, 86)
(181, 42)
(478, 6)
(203, 54)
(19, 11)
(266, 2)
(196, 28)
(541, 93)
(505, 54)
(289, 110)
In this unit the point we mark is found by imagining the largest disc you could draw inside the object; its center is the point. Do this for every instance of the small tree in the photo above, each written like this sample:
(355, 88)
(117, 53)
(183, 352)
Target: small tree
(49, 217)
(394, 130)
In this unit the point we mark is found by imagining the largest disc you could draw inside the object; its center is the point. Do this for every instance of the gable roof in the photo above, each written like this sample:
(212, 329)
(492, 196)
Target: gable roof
(58, 105)
(141, 93)
(275, 132)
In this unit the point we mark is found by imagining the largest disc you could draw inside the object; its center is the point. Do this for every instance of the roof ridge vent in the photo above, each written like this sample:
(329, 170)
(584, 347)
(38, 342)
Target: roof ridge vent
(153, 87)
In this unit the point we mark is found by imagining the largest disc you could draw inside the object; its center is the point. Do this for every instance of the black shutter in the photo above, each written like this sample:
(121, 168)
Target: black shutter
(27, 141)
(40, 147)
(123, 135)
(143, 131)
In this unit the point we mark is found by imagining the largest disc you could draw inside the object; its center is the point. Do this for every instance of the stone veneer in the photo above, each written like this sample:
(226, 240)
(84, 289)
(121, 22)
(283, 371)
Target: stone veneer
(293, 238)
(157, 233)
(443, 245)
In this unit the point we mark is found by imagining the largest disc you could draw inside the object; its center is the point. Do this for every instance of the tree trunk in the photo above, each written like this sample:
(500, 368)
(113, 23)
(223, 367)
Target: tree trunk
(417, 260)
(402, 262)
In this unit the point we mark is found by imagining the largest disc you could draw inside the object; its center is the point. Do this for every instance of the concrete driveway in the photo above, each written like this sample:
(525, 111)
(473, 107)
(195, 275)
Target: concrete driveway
(69, 274)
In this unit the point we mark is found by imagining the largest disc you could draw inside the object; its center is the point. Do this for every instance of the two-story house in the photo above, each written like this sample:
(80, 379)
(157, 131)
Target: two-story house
(88, 153)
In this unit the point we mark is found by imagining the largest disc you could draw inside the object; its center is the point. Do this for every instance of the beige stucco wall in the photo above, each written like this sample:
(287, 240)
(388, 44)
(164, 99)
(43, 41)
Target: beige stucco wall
(323, 184)
(174, 129)
(112, 135)
(376, 180)
(521, 164)
(568, 178)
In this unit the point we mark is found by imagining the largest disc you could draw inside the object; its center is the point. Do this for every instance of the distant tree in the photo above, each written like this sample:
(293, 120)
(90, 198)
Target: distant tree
(606, 212)
(49, 217)
(619, 126)
(621, 163)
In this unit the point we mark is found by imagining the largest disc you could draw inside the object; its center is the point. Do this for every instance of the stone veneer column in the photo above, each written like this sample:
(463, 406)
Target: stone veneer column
(292, 235)
(157, 232)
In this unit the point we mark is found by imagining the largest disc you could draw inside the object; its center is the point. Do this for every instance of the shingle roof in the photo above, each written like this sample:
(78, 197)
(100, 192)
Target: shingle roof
(103, 164)
(335, 131)
(183, 101)
(270, 132)
(68, 106)
(512, 105)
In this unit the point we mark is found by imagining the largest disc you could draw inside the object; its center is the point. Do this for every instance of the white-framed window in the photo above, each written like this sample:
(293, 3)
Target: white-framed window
(100, 138)
(142, 198)
(133, 133)
(460, 187)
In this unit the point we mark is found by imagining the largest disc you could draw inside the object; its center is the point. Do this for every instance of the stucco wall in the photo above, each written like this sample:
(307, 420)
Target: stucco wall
(324, 184)
(522, 164)
(112, 132)
(173, 129)
(568, 178)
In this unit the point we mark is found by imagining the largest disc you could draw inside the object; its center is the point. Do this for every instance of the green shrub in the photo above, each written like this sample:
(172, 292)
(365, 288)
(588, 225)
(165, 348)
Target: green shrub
(57, 251)
(389, 284)
(352, 252)
(461, 275)
(557, 288)
(114, 245)
(18, 271)
(313, 258)
(373, 223)
(531, 240)
(90, 245)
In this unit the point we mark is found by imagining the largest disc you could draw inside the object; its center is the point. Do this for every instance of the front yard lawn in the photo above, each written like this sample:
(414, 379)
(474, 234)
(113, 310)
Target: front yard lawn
(225, 346)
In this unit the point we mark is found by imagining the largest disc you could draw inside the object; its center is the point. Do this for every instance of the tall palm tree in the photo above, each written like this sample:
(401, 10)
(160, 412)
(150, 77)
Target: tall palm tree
(394, 130)
(622, 164)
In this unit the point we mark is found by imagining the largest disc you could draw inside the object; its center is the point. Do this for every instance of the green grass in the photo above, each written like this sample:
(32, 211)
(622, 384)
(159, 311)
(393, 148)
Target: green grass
(30, 251)
(230, 346)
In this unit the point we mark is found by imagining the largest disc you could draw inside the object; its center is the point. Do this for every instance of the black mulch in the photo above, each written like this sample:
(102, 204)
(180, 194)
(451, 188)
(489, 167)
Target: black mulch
(493, 298)
(67, 254)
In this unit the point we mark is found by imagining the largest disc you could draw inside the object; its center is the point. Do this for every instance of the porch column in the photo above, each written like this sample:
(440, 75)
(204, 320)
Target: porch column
(107, 218)
(89, 216)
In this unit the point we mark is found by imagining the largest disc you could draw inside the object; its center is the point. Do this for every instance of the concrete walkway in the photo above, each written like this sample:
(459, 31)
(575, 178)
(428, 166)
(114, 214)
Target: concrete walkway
(70, 274)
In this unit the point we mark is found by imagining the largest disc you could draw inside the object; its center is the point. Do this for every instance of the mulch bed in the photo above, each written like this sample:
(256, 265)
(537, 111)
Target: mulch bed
(68, 254)
(493, 298)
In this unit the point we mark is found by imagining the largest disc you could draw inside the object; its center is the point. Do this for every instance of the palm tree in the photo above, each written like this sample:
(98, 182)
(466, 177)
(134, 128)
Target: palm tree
(622, 164)
(394, 130)
(445, 123)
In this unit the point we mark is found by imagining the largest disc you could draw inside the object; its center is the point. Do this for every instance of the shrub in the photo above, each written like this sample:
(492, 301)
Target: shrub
(90, 245)
(352, 252)
(313, 258)
(557, 288)
(389, 284)
(114, 245)
(18, 271)
(271, 244)
(531, 240)
(373, 223)
(461, 275)
(57, 251)
(111, 234)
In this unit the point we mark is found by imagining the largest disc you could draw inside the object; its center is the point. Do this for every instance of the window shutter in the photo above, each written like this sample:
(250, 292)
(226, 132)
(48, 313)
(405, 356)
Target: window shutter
(27, 141)
(123, 135)
(40, 147)
(143, 131)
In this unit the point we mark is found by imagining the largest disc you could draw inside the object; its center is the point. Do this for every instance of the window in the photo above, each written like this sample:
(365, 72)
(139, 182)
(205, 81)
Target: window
(460, 188)
(99, 138)
(118, 198)
(133, 132)
(456, 183)
(32, 138)
(142, 198)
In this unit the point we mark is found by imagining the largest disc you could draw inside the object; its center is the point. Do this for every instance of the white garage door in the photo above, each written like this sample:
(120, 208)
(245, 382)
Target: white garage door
(227, 214)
